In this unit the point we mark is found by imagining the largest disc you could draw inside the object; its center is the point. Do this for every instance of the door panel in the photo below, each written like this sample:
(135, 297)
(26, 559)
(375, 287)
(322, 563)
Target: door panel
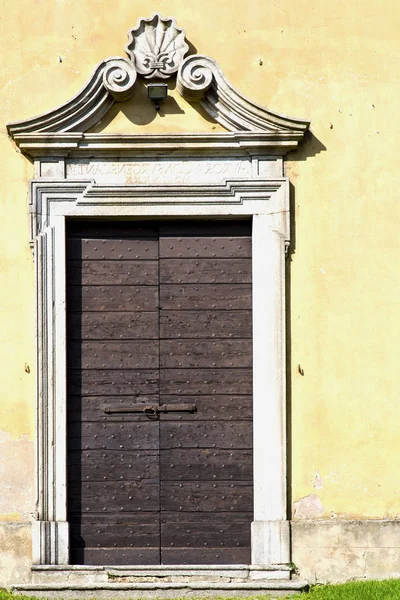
(187, 354)
(206, 381)
(213, 408)
(206, 358)
(126, 382)
(118, 436)
(109, 354)
(205, 434)
(113, 361)
(117, 556)
(179, 464)
(215, 270)
(111, 272)
(205, 324)
(124, 248)
(159, 314)
(114, 325)
(181, 246)
(107, 464)
(207, 296)
(113, 298)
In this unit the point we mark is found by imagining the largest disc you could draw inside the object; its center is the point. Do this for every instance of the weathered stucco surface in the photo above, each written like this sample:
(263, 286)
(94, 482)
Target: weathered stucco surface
(333, 551)
(16, 478)
(15, 553)
(335, 63)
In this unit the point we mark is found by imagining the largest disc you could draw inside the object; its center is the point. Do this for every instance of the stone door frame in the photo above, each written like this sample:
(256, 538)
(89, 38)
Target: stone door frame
(263, 195)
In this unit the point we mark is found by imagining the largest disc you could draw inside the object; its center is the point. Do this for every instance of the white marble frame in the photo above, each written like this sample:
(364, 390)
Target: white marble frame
(267, 202)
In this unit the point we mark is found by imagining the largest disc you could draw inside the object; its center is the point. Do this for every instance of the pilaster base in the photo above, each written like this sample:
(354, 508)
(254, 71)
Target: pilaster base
(50, 543)
(270, 542)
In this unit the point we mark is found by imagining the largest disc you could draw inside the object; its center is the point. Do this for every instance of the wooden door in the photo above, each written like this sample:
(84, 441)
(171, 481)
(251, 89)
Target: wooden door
(159, 315)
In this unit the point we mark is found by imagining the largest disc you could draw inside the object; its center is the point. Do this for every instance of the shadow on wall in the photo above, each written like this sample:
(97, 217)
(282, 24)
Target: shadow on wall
(139, 110)
(309, 148)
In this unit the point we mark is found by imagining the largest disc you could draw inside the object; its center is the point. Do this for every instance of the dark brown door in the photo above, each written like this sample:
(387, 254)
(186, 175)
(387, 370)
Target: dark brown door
(159, 317)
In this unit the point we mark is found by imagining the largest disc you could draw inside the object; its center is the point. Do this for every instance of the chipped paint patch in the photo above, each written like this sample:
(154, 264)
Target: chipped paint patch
(318, 481)
(11, 517)
(308, 507)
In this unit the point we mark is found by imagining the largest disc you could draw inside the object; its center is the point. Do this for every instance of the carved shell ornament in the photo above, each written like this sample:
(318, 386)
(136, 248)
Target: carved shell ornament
(157, 47)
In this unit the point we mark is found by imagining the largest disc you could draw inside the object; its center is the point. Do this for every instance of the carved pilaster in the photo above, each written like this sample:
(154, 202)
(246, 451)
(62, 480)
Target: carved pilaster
(50, 530)
(270, 529)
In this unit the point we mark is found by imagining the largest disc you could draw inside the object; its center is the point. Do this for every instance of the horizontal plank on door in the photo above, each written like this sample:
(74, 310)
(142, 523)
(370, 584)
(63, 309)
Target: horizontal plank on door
(212, 408)
(122, 354)
(110, 497)
(205, 296)
(211, 270)
(205, 381)
(92, 408)
(104, 325)
(205, 247)
(112, 298)
(113, 436)
(189, 354)
(207, 497)
(127, 519)
(205, 324)
(193, 228)
(130, 382)
(112, 272)
(205, 556)
(112, 249)
(108, 535)
(203, 434)
(115, 556)
(206, 464)
(113, 465)
(206, 529)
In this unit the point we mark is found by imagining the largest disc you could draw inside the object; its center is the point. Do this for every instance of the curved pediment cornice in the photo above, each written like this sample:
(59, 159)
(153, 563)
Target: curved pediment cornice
(200, 79)
(157, 48)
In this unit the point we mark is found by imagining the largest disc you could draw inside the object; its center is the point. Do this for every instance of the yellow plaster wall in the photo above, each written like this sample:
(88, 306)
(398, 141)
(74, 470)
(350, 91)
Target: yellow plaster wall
(335, 63)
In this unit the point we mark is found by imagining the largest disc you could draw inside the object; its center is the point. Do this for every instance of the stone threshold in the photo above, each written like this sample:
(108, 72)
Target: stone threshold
(161, 589)
(159, 573)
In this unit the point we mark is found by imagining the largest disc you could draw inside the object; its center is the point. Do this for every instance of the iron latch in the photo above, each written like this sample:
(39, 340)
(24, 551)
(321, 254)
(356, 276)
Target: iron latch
(151, 409)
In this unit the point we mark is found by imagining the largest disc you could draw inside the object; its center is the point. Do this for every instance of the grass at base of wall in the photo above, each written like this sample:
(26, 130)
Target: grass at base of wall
(388, 589)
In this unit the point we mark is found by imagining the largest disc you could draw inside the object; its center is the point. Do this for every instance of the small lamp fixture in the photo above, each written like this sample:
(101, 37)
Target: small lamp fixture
(157, 92)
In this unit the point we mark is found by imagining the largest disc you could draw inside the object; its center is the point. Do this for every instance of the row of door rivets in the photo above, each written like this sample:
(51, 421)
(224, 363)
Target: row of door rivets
(188, 247)
(115, 544)
(120, 290)
(197, 255)
(103, 257)
(189, 498)
(104, 447)
(231, 280)
(196, 239)
(134, 241)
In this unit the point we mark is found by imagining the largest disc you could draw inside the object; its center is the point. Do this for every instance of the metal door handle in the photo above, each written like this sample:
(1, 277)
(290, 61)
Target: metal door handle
(151, 409)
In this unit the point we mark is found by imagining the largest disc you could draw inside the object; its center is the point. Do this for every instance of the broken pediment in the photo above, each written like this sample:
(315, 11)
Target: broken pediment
(157, 51)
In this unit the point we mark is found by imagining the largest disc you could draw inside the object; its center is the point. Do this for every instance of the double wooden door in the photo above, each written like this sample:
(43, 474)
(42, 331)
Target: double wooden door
(159, 392)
